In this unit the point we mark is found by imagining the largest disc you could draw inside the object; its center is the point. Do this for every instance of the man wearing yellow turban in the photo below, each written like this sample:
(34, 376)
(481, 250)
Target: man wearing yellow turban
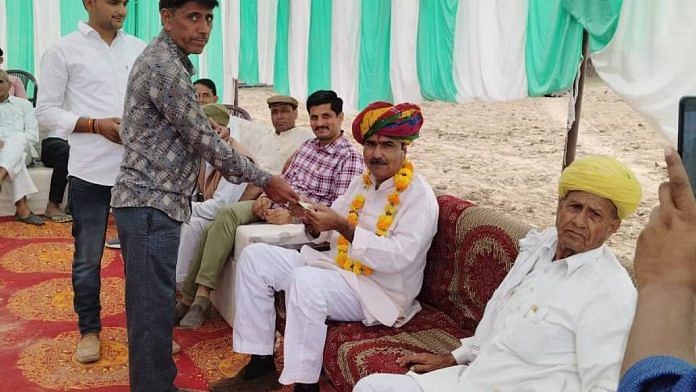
(379, 232)
(560, 318)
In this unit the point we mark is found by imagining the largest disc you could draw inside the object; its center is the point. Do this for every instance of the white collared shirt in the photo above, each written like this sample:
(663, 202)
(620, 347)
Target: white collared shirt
(17, 116)
(550, 326)
(388, 296)
(82, 76)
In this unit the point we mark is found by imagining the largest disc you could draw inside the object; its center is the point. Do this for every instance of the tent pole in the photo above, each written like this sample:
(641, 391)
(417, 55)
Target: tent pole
(572, 135)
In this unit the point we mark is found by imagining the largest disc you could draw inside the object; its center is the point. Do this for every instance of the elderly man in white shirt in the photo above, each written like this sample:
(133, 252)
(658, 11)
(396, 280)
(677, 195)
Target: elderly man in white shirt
(380, 231)
(560, 319)
(83, 84)
(18, 135)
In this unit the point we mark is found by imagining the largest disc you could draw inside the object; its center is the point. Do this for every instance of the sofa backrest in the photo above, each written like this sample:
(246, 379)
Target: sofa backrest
(472, 252)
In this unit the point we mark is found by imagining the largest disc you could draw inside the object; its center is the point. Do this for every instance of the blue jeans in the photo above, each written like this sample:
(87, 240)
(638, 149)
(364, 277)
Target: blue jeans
(149, 243)
(90, 210)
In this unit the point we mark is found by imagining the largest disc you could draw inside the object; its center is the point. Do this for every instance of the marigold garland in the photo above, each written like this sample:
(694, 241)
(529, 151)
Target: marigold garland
(402, 180)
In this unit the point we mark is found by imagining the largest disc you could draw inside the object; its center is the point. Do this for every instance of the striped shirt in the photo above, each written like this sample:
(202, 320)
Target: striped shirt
(323, 173)
(164, 131)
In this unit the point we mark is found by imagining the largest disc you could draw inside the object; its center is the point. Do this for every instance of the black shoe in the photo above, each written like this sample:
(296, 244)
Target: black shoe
(258, 366)
(307, 387)
(266, 382)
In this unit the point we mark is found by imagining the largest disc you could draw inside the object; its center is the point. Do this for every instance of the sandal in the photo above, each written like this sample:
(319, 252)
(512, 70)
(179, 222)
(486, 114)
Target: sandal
(30, 219)
(60, 218)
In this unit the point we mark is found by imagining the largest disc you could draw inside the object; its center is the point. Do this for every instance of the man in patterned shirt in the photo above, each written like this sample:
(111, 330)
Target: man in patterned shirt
(164, 132)
(320, 171)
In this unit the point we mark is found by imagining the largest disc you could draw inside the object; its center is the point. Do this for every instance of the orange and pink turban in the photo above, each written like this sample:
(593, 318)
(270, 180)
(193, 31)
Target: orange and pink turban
(401, 122)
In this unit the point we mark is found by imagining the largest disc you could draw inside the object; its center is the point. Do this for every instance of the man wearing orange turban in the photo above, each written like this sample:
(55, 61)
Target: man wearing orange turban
(379, 233)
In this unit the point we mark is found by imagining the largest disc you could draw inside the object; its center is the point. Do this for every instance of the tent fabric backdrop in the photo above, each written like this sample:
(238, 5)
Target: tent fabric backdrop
(411, 50)
(651, 62)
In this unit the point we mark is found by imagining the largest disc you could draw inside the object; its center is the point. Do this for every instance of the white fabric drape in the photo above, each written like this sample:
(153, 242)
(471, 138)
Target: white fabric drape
(46, 30)
(651, 62)
(203, 63)
(298, 37)
(345, 45)
(404, 40)
(489, 50)
(267, 10)
(230, 43)
(3, 27)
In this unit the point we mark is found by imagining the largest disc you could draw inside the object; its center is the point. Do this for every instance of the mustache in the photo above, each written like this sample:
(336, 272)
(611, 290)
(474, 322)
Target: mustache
(377, 161)
(319, 128)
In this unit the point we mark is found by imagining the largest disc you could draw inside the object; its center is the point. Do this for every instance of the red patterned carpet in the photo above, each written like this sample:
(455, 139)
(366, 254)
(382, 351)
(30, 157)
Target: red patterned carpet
(38, 328)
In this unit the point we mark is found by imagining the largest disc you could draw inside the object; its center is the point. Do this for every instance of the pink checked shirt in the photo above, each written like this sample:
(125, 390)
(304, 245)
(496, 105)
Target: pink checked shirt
(323, 173)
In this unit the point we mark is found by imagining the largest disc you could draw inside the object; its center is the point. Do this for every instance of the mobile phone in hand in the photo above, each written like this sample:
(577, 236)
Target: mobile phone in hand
(687, 137)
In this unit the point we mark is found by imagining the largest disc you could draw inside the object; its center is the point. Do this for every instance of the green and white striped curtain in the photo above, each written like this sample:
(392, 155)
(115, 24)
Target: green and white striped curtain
(411, 50)
(366, 50)
(38, 23)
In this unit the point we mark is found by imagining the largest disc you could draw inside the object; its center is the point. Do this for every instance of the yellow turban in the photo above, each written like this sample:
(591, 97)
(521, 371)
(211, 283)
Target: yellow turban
(606, 177)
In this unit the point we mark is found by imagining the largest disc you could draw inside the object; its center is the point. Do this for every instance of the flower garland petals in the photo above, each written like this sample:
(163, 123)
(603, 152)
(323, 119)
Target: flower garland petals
(402, 180)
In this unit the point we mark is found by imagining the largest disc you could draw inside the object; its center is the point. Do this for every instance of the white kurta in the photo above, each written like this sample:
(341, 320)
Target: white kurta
(314, 294)
(398, 259)
(19, 133)
(550, 326)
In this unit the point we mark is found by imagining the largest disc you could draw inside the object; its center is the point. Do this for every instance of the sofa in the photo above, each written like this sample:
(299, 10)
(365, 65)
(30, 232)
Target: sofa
(469, 257)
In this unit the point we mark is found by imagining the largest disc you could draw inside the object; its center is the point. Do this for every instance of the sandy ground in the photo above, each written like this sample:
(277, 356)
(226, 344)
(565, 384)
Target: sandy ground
(508, 155)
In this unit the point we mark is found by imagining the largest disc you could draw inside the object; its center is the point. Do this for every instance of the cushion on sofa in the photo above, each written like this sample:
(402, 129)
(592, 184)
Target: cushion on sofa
(354, 351)
(468, 259)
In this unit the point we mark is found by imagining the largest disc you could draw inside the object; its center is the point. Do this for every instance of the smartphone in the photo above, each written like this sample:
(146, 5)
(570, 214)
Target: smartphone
(687, 137)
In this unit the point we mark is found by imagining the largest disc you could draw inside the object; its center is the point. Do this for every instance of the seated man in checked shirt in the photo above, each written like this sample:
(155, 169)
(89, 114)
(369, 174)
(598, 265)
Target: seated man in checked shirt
(559, 321)
(320, 171)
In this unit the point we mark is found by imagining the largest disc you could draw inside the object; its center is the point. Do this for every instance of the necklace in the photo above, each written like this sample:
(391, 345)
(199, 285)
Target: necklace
(402, 180)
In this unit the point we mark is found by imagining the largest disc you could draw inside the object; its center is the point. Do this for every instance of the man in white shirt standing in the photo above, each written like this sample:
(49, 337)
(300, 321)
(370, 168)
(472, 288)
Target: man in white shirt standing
(379, 230)
(559, 321)
(83, 84)
(18, 133)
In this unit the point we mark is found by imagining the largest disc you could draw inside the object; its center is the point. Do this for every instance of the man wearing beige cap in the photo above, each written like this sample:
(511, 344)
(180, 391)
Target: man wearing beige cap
(272, 147)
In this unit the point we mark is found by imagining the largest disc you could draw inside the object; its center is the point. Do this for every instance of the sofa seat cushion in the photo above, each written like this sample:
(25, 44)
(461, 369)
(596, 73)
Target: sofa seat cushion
(354, 350)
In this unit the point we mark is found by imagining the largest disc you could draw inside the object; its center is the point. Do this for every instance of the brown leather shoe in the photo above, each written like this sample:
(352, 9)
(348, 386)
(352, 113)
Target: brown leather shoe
(89, 348)
(266, 383)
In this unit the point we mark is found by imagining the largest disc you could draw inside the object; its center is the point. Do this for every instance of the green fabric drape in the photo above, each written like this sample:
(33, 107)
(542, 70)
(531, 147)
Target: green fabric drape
(248, 41)
(319, 48)
(281, 82)
(214, 53)
(130, 25)
(435, 48)
(71, 12)
(599, 17)
(20, 27)
(553, 47)
(148, 20)
(375, 35)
